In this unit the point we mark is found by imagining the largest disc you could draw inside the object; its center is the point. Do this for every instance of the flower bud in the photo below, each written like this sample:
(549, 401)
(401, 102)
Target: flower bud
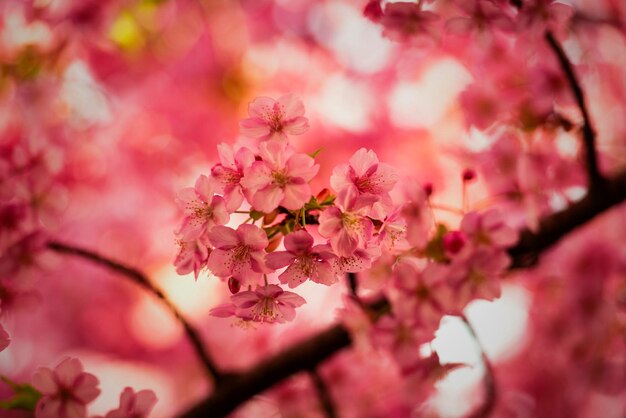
(274, 243)
(469, 174)
(234, 285)
(454, 241)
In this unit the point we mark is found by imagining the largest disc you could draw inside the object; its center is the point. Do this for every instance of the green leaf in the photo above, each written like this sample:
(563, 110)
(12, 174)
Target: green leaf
(25, 396)
(256, 215)
(315, 153)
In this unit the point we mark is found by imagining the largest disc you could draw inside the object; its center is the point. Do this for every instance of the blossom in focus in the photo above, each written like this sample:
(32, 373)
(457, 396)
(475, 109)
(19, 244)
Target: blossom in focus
(280, 178)
(239, 253)
(192, 256)
(228, 173)
(345, 224)
(305, 261)
(66, 390)
(369, 178)
(275, 119)
(134, 405)
(203, 209)
(267, 303)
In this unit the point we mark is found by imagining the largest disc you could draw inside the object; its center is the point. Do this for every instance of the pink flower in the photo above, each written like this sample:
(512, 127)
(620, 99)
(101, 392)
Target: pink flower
(275, 119)
(405, 20)
(227, 175)
(267, 304)
(305, 261)
(203, 209)
(488, 229)
(134, 405)
(417, 214)
(369, 179)
(192, 256)
(280, 179)
(5, 339)
(345, 224)
(66, 390)
(238, 254)
(361, 259)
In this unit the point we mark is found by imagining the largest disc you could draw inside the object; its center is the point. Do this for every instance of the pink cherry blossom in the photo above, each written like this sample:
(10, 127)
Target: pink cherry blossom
(280, 178)
(203, 209)
(345, 224)
(275, 119)
(359, 260)
(134, 405)
(404, 21)
(267, 303)
(305, 261)
(488, 228)
(228, 173)
(66, 390)
(370, 179)
(192, 256)
(238, 254)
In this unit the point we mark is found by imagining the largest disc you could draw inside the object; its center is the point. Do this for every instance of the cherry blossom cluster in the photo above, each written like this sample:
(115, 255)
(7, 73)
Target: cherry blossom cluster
(356, 228)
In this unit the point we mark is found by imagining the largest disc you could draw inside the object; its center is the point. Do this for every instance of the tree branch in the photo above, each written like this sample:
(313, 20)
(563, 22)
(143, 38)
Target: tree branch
(595, 178)
(139, 278)
(310, 352)
(324, 394)
(489, 382)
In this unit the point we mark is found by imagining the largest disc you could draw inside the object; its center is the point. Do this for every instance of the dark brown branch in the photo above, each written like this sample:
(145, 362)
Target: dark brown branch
(302, 356)
(491, 390)
(307, 354)
(139, 278)
(324, 394)
(589, 136)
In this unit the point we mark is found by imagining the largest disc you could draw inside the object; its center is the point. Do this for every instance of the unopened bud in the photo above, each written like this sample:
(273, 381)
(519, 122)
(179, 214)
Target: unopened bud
(373, 10)
(270, 217)
(428, 189)
(454, 241)
(234, 285)
(323, 195)
(469, 174)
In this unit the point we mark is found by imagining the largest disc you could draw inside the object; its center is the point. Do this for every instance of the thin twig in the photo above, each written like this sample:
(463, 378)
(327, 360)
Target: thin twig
(589, 136)
(491, 390)
(139, 278)
(326, 399)
(310, 352)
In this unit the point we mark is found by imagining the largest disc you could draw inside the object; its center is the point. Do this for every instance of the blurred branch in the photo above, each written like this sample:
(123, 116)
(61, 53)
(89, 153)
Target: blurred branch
(310, 352)
(324, 394)
(139, 278)
(589, 137)
(489, 382)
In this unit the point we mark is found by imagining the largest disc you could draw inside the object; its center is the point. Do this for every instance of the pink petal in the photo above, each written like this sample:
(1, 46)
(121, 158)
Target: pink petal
(260, 107)
(268, 198)
(225, 154)
(257, 177)
(252, 236)
(144, 402)
(330, 222)
(302, 166)
(220, 263)
(294, 276)
(74, 409)
(223, 311)
(291, 106)
(223, 237)
(299, 242)
(204, 188)
(254, 127)
(344, 243)
(296, 195)
(67, 371)
(4, 338)
(44, 382)
(85, 388)
(49, 408)
(291, 299)
(279, 259)
(340, 178)
(362, 160)
(296, 126)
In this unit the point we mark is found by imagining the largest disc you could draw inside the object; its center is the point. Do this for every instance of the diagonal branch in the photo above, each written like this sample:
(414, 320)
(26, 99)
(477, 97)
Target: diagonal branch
(323, 393)
(139, 278)
(589, 136)
(307, 354)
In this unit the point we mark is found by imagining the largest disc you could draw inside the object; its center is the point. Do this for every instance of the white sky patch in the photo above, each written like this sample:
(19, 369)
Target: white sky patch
(83, 96)
(356, 42)
(500, 326)
(345, 103)
(426, 101)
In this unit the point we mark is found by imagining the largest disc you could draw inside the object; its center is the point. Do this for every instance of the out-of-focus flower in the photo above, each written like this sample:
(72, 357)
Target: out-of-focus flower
(275, 119)
(66, 390)
(134, 405)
